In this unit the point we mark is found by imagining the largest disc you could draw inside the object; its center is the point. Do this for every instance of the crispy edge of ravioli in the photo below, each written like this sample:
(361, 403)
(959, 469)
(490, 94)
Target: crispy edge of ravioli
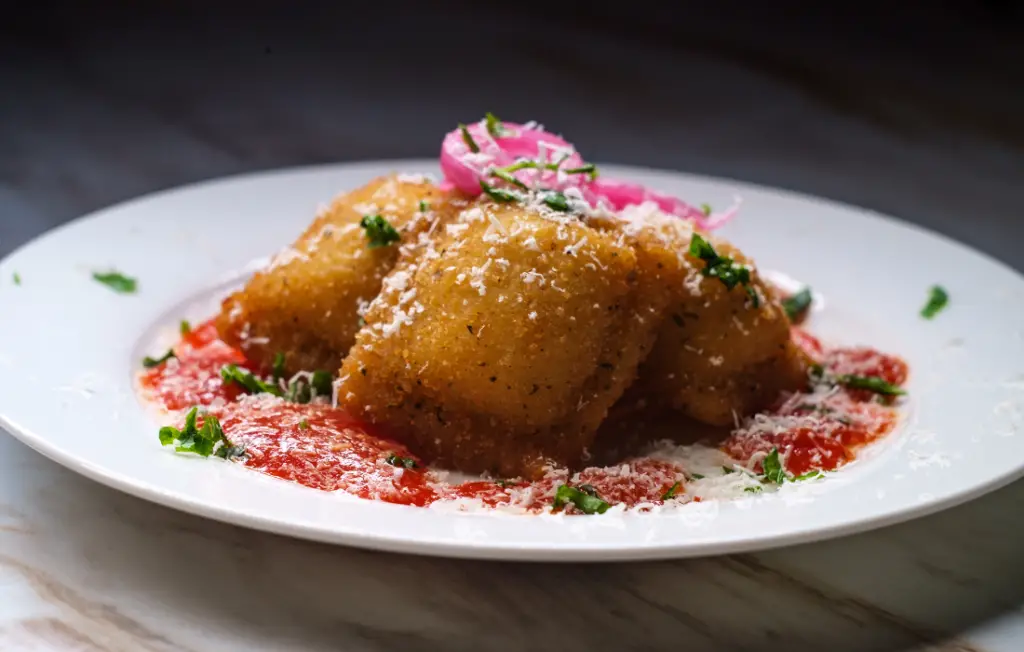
(306, 304)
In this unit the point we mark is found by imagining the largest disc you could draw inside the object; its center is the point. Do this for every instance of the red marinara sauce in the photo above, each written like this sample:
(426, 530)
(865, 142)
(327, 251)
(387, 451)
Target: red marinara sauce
(322, 447)
(823, 429)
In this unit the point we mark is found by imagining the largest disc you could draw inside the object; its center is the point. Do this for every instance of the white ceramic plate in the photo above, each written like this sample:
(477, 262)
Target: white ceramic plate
(69, 348)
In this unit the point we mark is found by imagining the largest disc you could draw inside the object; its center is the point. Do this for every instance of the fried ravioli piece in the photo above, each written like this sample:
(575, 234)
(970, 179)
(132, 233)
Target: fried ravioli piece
(306, 303)
(502, 349)
(720, 355)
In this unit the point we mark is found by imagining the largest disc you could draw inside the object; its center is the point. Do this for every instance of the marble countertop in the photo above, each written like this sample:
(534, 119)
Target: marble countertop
(903, 119)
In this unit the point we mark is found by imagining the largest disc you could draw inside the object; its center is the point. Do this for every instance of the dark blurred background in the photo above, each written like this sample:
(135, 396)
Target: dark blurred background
(910, 108)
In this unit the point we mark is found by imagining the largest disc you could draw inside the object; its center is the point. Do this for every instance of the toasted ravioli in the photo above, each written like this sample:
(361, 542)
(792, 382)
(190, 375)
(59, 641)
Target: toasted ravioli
(501, 348)
(306, 303)
(720, 354)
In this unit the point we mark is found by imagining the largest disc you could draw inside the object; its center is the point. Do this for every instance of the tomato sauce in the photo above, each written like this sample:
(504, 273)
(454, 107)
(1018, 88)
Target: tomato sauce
(322, 447)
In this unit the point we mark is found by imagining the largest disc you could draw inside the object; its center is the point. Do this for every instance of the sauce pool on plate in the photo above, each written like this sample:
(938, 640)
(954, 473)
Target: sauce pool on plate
(323, 448)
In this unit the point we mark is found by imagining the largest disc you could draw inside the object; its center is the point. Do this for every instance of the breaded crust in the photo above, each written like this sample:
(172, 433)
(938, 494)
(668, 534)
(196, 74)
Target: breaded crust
(718, 356)
(306, 303)
(502, 348)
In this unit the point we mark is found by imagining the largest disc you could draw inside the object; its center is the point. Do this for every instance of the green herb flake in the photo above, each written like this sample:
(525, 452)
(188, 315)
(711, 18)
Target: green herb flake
(871, 384)
(184, 327)
(810, 475)
(588, 169)
(278, 367)
(697, 476)
(671, 493)
(499, 195)
(755, 298)
(773, 471)
(303, 425)
(937, 300)
(556, 201)
(727, 470)
(424, 206)
(494, 126)
(468, 139)
(706, 209)
(201, 441)
(401, 462)
(149, 362)
(229, 452)
(304, 390)
(816, 372)
(16, 277)
(796, 305)
(754, 490)
(322, 382)
(246, 380)
(508, 177)
(583, 501)
(723, 268)
(116, 281)
(379, 231)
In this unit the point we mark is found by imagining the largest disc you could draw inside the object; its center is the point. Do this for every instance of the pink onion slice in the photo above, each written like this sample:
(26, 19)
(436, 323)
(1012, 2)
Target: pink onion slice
(540, 159)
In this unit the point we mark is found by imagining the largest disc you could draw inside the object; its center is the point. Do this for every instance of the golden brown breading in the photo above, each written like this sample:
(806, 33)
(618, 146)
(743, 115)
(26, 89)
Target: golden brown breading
(305, 303)
(718, 357)
(504, 347)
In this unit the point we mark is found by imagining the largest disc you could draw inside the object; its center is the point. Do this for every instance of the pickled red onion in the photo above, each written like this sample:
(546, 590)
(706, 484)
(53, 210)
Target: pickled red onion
(619, 194)
(544, 159)
(465, 169)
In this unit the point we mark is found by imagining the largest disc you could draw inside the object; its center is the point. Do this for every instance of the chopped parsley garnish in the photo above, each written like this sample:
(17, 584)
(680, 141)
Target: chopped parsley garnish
(402, 462)
(727, 470)
(586, 503)
(556, 201)
(303, 425)
(810, 475)
(797, 304)
(696, 476)
(499, 195)
(229, 452)
(773, 471)
(587, 168)
(468, 139)
(424, 206)
(191, 439)
(278, 368)
(871, 384)
(937, 300)
(246, 380)
(494, 126)
(303, 390)
(379, 231)
(723, 268)
(706, 209)
(116, 281)
(754, 490)
(526, 164)
(322, 382)
(671, 493)
(149, 362)
(184, 327)
(17, 278)
(508, 177)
